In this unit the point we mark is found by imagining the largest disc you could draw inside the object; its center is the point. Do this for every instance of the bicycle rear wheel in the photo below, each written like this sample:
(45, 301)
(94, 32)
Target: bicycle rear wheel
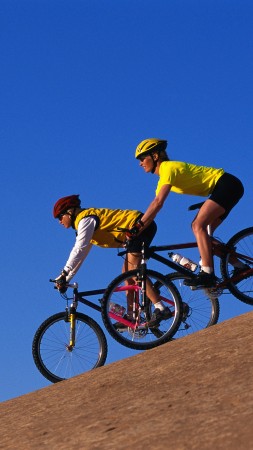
(50, 347)
(241, 243)
(138, 335)
(199, 310)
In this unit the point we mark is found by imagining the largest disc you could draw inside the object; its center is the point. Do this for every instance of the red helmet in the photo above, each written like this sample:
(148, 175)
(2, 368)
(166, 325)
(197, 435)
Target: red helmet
(65, 203)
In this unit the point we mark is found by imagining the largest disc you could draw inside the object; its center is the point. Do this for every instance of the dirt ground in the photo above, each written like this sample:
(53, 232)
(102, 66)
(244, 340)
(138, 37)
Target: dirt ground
(192, 393)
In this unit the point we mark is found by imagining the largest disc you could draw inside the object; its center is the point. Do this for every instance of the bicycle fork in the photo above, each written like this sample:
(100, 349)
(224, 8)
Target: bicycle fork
(71, 319)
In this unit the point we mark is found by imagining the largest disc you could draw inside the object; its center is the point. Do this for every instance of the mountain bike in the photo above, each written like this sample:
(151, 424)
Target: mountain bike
(200, 307)
(70, 343)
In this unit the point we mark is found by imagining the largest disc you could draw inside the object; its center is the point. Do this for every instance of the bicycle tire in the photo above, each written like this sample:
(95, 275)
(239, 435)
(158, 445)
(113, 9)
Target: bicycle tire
(142, 338)
(49, 348)
(242, 242)
(199, 310)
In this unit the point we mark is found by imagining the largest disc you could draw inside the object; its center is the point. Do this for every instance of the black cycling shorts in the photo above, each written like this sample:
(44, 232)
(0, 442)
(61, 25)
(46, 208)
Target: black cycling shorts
(227, 192)
(146, 236)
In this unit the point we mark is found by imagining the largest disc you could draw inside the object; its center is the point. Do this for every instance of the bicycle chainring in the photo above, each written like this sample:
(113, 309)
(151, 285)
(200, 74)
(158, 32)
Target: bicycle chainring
(138, 333)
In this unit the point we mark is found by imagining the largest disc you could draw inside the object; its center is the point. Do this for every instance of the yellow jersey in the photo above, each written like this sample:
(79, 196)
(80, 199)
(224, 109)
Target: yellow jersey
(109, 221)
(186, 178)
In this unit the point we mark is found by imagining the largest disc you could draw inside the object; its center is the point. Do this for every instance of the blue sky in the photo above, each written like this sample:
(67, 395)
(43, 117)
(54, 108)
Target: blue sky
(82, 83)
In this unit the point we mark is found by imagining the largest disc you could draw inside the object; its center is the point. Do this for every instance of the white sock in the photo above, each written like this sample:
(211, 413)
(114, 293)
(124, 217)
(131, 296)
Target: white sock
(159, 305)
(207, 269)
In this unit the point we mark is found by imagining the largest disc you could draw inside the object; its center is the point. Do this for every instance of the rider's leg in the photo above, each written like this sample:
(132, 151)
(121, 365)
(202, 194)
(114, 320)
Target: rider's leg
(131, 262)
(226, 194)
(209, 214)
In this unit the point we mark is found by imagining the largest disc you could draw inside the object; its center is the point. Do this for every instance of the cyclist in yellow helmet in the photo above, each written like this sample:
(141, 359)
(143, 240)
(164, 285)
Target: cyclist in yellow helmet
(222, 189)
(101, 226)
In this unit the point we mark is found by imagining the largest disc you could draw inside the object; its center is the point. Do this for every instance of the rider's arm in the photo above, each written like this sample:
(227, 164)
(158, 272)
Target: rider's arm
(156, 205)
(86, 228)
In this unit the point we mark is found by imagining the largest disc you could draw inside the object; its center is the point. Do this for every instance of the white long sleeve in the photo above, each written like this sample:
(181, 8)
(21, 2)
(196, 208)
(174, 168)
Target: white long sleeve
(82, 246)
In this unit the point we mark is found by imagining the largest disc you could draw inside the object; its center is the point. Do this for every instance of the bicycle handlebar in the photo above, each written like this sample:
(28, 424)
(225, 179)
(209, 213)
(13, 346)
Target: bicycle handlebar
(69, 285)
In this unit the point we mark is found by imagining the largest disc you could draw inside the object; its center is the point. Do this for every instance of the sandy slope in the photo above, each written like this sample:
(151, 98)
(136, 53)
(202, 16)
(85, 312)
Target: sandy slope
(193, 393)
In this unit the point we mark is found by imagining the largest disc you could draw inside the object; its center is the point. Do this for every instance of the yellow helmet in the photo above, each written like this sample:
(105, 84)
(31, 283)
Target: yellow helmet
(150, 146)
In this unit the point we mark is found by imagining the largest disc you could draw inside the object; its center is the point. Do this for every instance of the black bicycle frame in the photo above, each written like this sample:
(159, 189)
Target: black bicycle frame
(86, 302)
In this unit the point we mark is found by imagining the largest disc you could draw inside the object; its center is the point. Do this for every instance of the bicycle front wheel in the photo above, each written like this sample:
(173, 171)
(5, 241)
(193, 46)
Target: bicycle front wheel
(242, 244)
(51, 351)
(199, 311)
(137, 334)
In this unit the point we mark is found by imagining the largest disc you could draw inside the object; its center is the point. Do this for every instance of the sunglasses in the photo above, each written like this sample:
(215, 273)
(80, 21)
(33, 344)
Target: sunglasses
(61, 216)
(141, 158)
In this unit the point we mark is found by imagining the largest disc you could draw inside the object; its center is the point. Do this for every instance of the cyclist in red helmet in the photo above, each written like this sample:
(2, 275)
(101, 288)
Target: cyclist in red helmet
(101, 226)
(223, 189)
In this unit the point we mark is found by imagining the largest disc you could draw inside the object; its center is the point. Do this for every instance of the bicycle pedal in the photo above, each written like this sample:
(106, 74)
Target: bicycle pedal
(121, 330)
